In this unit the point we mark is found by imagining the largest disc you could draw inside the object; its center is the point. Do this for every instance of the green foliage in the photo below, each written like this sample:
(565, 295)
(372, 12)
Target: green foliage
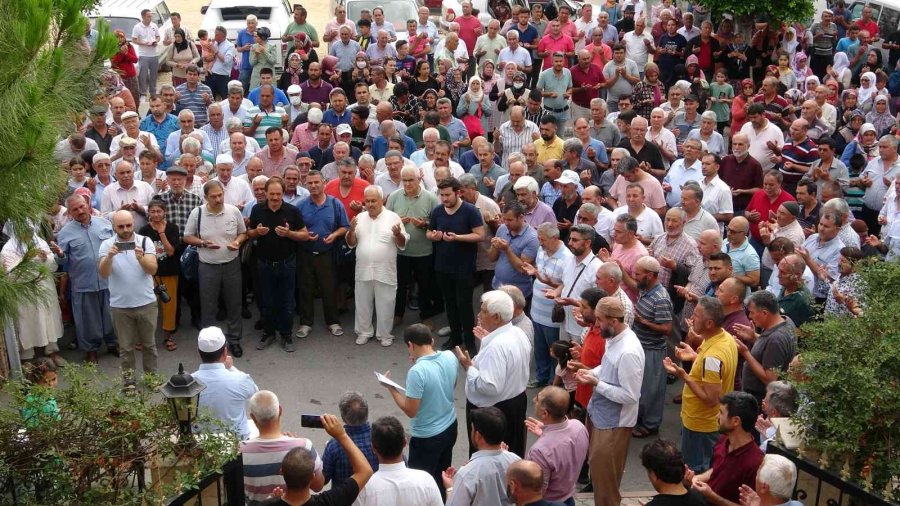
(782, 10)
(47, 78)
(95, 450)
(852, 384)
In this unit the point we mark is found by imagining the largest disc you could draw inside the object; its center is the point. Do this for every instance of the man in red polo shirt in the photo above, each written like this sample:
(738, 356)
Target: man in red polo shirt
(469, 29)
(736, 456)
(765, 202)
(554, 40)
(348, 188)
(587, 80)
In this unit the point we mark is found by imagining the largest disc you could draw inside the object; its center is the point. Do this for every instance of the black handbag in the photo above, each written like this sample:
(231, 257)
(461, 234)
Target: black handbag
(190, 257)
(558, 314)
(342, 255)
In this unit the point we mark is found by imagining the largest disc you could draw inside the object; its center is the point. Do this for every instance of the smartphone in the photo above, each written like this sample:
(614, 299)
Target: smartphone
(125, 246)
(311, 421)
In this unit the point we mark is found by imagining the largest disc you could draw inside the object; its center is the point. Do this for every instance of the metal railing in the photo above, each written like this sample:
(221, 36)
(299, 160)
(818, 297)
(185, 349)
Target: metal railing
(816, 486)
(229, 488)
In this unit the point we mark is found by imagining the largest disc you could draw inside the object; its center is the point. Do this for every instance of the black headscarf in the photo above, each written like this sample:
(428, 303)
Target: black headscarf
(184, 41)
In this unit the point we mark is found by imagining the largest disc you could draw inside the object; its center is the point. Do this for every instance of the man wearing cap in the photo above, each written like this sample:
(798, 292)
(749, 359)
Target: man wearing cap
(128, 261)
(227, 389)
(77, 246)
(653, 317)
(218, 230)
(127, 152)
(565, 208)
(296, 106)
(786, 225)
(613, 407)
(144, 140)
(237, 192)
(306, 135)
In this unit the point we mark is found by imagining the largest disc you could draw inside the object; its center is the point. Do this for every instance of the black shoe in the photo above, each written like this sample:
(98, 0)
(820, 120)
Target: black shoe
(113, 350)
(288, 344)
(195, 322)
(265, 341)
(236, 350)
(221, 315)
(587, 489)
(245, 313)
(258, 325)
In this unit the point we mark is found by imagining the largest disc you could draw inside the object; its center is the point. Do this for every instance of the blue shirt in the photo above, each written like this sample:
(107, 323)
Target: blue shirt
(280, 98)
(332, 118)
(160, 130)
(827, 255)
(458, 132)
(301, 194)
(379, 147)
(243, 38)
(226, 395)
(223, 66)
(81, 246)
(193, 100)
(320, 220)
(524, 243)
(345, 53)
(744, 258)
(432, 380)
(336, 466)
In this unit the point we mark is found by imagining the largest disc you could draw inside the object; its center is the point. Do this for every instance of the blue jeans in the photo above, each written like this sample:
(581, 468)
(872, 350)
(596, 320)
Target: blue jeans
(244, 78)
(653, 390)
(433, 454)
(276, 295)
(697, 449)
(544, 336)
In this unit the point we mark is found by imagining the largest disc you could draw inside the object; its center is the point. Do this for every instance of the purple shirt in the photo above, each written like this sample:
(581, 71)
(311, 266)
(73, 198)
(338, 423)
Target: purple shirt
(542, 213)
(316, 93)
(560, 451)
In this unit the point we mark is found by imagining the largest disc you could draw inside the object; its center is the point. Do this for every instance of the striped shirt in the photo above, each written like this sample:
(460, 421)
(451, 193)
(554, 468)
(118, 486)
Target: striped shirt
(269, 119)
(681, 249)
(653, 305)
(193, 100)
(262, 463)
(804, 154)
(513, 141)
(215, 137)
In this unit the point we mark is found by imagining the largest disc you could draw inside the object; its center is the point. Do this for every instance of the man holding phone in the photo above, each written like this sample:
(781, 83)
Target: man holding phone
(130, 269)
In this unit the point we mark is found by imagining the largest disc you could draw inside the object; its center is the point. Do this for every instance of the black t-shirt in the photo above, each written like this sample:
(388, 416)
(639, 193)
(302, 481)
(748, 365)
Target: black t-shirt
(692, 498)
(166, 265)
(358, 138)
(341, 495)
(667, 61)
(649, 153)
(455, 257)
(564, 213)
(271, 247)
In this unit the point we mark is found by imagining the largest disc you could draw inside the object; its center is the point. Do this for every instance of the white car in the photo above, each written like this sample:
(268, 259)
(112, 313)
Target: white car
(125, 14)
(395, 11)
(232, 15)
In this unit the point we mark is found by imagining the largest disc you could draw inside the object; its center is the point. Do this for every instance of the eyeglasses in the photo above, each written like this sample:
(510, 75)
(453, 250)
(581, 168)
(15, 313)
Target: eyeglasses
(733, 231)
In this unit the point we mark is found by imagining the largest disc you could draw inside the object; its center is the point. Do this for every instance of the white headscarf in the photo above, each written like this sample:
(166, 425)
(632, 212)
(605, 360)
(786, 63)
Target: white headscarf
(476, 97)
(840, 63)
(865, 92)
(790, 46)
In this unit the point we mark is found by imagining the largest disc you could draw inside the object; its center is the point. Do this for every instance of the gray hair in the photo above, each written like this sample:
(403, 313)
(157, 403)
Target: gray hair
(709, 115)
(782, 397)
(515, 157)
(612, 270)
(694, 187)
(186, 113)
(589, 208)
(585, 231)
(431, 132)
(408, 170)
(233, 123)
(511, 33)
(191, 144)
(549, 230)
(526, 182)
(377, 189)
(264, 407)
(780, 474)
(367, 159)
(627, 164)
(713, 309)
(346, 162)
(890, 139)
(468, 181)
(573, 146)
(393, 153)
(261, 179)
(839, 206)
(498, 303)
(166, 87)
(212, 106)
(600, 102)
(354, 408)
(515, 293)
(628, 220)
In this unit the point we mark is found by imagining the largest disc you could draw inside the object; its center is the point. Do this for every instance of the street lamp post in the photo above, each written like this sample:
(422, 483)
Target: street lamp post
(183, 395)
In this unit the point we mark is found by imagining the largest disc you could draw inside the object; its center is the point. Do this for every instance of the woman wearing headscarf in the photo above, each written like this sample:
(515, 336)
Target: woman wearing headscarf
(293, 73)
(834, 91)
(475, 102)
(514, 93)
(181, 54)
(840, 69)
(794, 99)
(38, 323)
(454, 85)
(361, 70)
(880, 115)
(801, 66)
(649, 93)
(809, 87)
(873, 63)
(849, 103)
(262, 55)
(739, 106)
(866, 90)
(789, 42)
(866, 144)
(112, 86)
(123, 63)
(303, 48)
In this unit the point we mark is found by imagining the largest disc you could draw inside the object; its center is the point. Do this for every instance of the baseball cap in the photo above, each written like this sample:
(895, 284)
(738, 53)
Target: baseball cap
(568, 177)
(611, 307)
(343, 128)
(211, 339)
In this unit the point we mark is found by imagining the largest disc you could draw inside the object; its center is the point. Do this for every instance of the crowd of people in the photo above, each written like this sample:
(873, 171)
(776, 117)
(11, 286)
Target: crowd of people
(623, 194)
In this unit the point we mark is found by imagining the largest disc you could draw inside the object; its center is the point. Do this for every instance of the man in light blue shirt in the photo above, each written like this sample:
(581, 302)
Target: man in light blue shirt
(744, 259)
(428, 400)
(344, 50)
(555, 85)
(514, 244)
(223, 60)
(227, 389)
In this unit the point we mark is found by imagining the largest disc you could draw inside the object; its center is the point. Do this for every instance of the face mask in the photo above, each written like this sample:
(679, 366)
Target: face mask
(518, 85)
(361, 64)
(296, 100)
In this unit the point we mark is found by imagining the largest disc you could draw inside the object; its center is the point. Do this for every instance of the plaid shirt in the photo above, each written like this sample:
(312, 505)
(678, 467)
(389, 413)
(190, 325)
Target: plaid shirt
(178, 208)
(410, 109)
(682, 249)
(335, 464)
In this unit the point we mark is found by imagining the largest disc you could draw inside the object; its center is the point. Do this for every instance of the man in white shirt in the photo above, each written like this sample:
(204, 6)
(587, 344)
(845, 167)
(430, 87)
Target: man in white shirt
(638, 44)
(441, 159)
(127, 194)
(237, 191)
(762, 135)
(145, 140)
(498, 375)
(145, 35)
(377, 235)
(394, 484)
(716, 193)
(682, 170)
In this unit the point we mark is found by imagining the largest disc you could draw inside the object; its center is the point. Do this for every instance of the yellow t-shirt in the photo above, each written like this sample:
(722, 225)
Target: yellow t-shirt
(548, 151)
(716, 363)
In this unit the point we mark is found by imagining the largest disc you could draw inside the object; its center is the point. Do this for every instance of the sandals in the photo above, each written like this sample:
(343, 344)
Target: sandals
(171, 345)
(642, 432)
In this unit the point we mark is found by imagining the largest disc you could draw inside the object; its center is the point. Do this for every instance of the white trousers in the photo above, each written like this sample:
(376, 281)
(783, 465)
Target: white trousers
(377, 296)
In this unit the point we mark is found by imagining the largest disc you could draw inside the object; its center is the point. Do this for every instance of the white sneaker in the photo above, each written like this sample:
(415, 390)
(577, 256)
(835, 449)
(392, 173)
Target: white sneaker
(336, 330)
(386, 341)
(444, 331)
(303, 331)
(361, 340)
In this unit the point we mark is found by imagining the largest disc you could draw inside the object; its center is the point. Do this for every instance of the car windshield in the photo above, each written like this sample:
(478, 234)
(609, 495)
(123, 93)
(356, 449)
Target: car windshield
(241, 13)
(395, 12)
(124, 24)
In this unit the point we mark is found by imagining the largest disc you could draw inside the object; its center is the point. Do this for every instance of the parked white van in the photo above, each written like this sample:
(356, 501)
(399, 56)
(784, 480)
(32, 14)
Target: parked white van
(232, 15)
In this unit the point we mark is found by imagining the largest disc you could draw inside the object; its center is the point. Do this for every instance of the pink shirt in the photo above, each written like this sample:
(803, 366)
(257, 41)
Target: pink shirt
(469, 30)
(628, 257)
(569, 29)
(304, 139)
(560, 451)
(653, 192)
(550, 45)
(597, 59)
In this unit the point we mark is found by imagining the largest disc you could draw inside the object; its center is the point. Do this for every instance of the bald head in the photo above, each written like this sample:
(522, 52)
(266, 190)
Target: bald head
(555, 402)
(526, 474)
(740, 223)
